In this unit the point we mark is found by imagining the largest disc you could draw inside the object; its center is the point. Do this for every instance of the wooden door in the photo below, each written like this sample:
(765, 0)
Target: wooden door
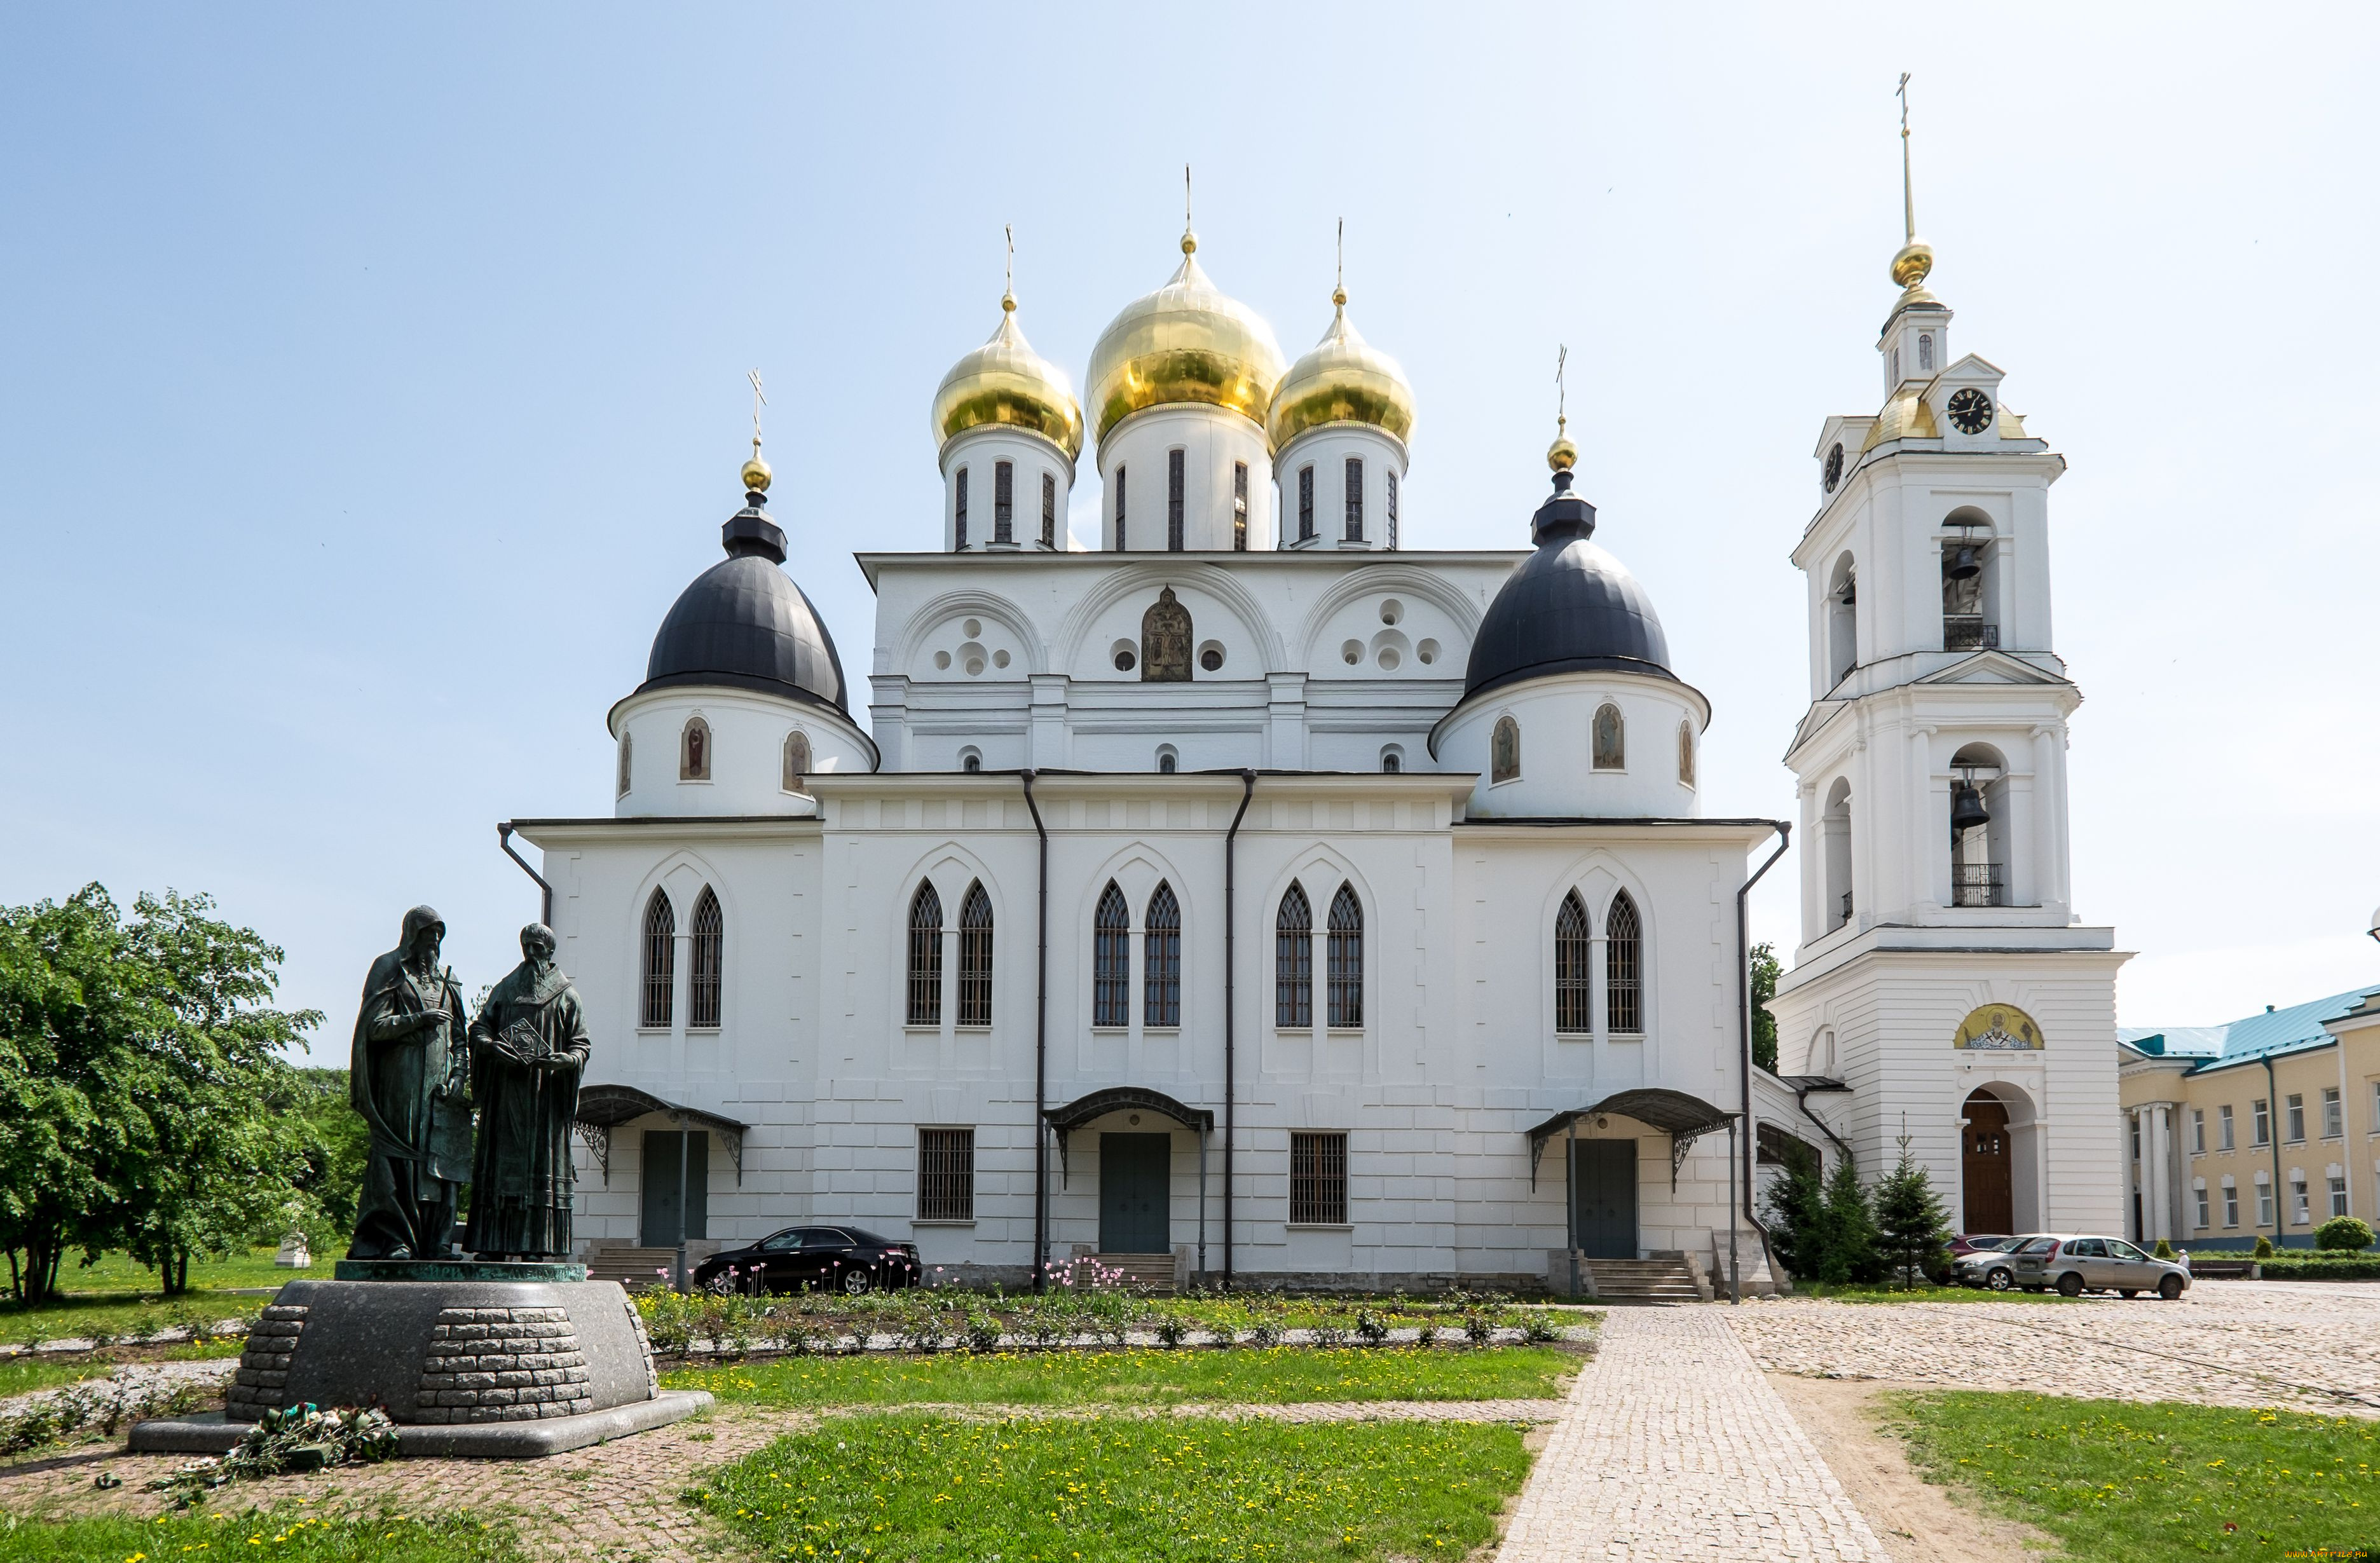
(1986, 1166)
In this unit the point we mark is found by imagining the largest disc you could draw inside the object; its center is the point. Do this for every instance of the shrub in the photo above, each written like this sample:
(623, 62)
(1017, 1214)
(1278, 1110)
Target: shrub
(1172, 1330)
(2263, 1248)
(2343, 1232)
(983, 1330)
(1538, 1328)
(1264, 1330)
(2164, 1250)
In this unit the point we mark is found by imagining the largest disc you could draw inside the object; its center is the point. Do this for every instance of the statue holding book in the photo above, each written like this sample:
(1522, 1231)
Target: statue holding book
(528, 1048)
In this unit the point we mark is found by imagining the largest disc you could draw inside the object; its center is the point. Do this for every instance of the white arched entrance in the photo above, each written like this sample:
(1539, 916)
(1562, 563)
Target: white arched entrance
(1999, 1173)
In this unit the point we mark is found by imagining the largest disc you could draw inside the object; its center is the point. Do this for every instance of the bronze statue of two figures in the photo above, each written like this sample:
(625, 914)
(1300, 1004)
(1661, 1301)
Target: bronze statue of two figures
(421, 1070)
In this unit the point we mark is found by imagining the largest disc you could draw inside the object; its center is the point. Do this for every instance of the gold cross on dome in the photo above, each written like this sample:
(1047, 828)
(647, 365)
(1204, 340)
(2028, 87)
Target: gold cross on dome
(1561, 389)
(759, 400)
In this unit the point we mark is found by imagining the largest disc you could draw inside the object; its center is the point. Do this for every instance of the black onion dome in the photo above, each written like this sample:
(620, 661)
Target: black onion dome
(1570, 608)
(744, 624)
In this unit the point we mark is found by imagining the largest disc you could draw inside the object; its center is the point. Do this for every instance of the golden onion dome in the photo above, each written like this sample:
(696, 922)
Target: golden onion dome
(1343, 379)
(1185, 343)
(1006, 382)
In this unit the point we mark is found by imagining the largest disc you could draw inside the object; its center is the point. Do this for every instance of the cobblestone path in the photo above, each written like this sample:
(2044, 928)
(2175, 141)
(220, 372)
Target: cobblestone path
(2287, 1344)
(616, 1501)
(1675, 1446)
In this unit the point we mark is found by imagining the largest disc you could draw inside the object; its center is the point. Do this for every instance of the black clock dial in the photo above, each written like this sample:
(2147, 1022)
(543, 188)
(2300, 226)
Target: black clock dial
(1834, 468)
(1971, 410)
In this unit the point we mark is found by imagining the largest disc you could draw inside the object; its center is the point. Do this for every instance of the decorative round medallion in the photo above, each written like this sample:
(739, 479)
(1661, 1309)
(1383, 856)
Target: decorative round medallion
(1971, 410)
(1834, 466)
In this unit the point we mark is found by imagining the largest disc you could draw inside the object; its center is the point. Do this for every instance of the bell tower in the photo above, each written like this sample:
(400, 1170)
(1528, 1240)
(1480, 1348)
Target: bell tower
(1931, 763)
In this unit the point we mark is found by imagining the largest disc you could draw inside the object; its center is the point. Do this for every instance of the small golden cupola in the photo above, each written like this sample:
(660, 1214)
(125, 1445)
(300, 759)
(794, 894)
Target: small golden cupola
(1339, 426)
(1008, 430)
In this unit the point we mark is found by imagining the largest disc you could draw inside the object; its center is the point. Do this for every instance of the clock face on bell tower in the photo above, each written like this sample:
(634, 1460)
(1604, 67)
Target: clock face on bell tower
(1970, 411)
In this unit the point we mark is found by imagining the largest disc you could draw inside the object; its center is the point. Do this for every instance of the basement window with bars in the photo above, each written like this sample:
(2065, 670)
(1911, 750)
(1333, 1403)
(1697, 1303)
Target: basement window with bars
(946, 1174)
(1318, 1179)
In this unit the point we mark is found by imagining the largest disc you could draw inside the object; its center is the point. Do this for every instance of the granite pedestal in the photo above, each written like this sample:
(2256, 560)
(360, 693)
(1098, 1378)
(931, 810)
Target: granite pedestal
(464, 1357)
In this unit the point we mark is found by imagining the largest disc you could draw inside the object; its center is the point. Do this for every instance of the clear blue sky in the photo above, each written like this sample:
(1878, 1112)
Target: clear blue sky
(371, 380)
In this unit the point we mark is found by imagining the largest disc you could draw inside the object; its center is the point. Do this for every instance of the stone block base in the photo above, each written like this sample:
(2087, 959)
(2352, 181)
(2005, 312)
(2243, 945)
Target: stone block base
(210, 1433)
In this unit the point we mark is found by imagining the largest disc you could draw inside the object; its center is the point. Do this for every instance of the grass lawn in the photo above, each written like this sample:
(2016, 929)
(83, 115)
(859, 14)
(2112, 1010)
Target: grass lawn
(19, 1374)
(281, 1537)
(1281, 1375)
(119, 1297)
(1107, 1490)
(2152, 1482)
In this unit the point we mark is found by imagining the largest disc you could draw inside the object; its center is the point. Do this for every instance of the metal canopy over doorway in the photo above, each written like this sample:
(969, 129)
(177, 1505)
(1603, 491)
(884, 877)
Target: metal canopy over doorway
(602, 1108)
(1140, 1179)
(1683, 1118)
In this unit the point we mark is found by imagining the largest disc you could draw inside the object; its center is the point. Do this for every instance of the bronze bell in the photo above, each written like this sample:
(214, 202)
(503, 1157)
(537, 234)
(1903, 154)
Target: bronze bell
(1967, 810)
(1965, 564)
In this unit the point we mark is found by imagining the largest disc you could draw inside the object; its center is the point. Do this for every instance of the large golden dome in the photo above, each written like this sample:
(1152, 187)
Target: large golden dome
(1343, 379)
(1006, 382)
(1187, 342)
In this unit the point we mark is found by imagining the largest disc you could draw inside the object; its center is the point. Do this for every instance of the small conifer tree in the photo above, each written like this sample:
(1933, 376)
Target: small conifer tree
(2263, 1248)
(1848, 1224)
(2164, 1250)
(1913, 1230)
(1797, 1209)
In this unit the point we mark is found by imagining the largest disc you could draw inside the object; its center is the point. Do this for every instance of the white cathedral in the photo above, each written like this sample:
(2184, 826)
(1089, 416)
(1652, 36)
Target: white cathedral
(1256, 897)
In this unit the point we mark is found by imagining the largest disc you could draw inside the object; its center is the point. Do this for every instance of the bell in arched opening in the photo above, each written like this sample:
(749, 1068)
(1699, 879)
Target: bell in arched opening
(1965, 563)
(1967, 810)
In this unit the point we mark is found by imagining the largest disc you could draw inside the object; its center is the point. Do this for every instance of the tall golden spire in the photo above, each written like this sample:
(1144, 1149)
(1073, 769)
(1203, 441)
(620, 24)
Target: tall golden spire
(1915, 260)
(756, 471)
(1562, 455)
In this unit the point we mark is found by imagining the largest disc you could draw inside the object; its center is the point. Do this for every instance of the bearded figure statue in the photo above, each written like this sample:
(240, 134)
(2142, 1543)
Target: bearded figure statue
(528, 1048)
(404, 1076)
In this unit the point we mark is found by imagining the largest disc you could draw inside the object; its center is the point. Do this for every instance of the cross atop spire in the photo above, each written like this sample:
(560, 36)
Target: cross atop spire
(756, 471)
(1908, 200)
(1562, 455)
(1339, 288)
(1008, 293)
(1915, 260)
(1189, 236)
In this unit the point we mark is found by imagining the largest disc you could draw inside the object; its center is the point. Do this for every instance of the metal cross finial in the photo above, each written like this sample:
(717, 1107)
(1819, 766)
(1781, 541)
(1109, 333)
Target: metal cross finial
(1185, 195)
(1008, 293)
(1561, 389)
(759, 400)
(1908, 197)
(1339, 285)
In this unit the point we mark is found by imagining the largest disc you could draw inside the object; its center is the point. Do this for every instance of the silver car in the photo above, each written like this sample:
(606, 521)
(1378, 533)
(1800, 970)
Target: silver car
(2085, 1262)
(1991, 1265)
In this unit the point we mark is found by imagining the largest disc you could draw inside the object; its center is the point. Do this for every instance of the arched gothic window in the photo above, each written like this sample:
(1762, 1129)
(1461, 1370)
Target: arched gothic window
(625, 747)
(797, 760)
(1504, 752)
(661, 962)
(926, 956)
(974, 956)
(1346, 958)
(1292, 959)
(1110, 960)
(1624, 967)
(1611, 739)
(694, 751)
(709, 946)
(1160, 964)
(1572, 987)
(1686, 753)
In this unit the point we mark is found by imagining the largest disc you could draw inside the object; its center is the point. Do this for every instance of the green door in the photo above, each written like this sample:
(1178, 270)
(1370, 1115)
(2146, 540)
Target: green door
(663, 1191)
(1603, 1195)
(1136, 1176)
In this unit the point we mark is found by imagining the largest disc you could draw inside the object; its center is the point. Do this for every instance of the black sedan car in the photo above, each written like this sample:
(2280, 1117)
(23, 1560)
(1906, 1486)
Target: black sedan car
(808, 1258)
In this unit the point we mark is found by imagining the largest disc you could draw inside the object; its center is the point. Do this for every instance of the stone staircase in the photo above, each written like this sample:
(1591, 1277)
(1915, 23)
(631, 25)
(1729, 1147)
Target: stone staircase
(1643, 1281)
(632, 1267)
(1143, 1272)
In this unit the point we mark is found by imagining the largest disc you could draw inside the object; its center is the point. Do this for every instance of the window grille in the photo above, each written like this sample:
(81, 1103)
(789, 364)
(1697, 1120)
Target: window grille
(1354, 499)
(660, 961)
(1173, 480)
(1392, 506)
(1318, 1179)
(926, 957)
(709, 945)
(797, 760)
(1292, 958)
(1346, 958)
(1504, 752)
(1110, 958)
(1611, 739)
(962, 507)
(1572, 987)
(1305, 504)
(945, 1174)
(1623, 963)
(1239, 507)
(1160, 964)
(1120, 475)
(1049, 510)
(975, 957)
(624, 744)
(1004, 501)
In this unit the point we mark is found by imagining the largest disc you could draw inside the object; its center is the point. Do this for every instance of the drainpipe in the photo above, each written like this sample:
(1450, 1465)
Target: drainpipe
(1041, 1052)
(2273, 1138)
(1801, 1100)
(1231, 1007)
(1744, 999)
(545, 905)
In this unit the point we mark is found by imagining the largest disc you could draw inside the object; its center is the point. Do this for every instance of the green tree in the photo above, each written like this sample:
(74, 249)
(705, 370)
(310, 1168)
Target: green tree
(1848, 1224)
(333, 1177)
(2343, 1232)
(1797, 1209)
(1914, 1230)
(1766, 970)
(2264, 1247)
